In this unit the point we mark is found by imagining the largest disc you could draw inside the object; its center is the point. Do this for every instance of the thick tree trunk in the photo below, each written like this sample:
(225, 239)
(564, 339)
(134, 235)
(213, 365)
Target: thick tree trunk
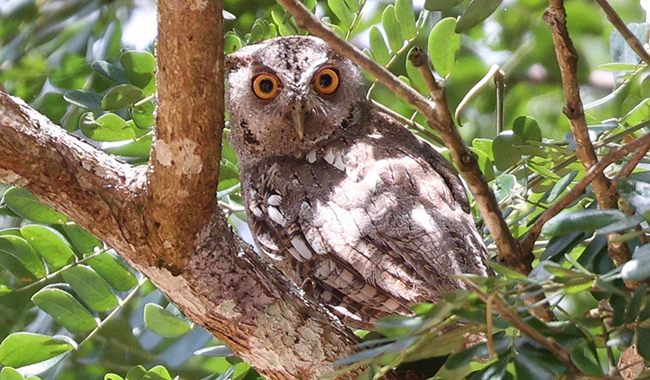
(163, 218)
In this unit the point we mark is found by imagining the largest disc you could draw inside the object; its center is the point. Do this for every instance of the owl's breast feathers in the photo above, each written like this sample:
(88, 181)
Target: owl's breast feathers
(368, 223)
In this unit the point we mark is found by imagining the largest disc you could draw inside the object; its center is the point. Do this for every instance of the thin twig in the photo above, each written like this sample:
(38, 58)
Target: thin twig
(410, 123)
(60, 270)
(117, 309)
(439, 118)
(473, 91)
(630, 38)
(629, 166)
(511, 317)
(355, 20)
(534, 232)
(567, 58)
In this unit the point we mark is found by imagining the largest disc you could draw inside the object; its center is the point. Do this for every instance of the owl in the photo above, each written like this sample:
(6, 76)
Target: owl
(351, 206)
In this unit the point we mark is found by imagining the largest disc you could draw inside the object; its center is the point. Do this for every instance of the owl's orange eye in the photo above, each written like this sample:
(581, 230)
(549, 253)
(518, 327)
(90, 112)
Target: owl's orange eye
(266, 86)
(326, 81)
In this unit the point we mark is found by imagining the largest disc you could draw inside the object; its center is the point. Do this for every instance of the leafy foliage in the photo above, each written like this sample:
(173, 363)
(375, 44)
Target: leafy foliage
(66, 299)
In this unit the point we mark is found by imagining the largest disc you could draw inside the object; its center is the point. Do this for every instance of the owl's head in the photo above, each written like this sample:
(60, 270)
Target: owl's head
(288, 94)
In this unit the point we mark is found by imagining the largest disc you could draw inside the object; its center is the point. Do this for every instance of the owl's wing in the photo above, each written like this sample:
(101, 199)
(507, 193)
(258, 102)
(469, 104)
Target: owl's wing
(372, 223)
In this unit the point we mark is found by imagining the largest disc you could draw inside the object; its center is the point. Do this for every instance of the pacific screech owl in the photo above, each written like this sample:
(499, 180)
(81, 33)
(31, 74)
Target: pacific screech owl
(340, 196)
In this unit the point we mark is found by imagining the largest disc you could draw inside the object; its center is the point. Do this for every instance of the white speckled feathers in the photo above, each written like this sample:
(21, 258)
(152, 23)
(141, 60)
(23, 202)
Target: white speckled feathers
(365, 222)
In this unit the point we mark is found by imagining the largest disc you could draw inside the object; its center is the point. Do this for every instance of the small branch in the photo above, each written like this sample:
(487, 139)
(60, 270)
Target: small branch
(473, 91)
(408, 122)
(529, 240)
(630, 38)
(629, 166)
(511, 317)
(567, 58)
(439, 118)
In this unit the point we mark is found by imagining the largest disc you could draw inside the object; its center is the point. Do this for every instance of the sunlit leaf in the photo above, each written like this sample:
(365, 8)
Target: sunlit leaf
(22, 349)
(64, 308)
(90, 287)
(476, 12)
(140, 67)
(23, 203)
(164, 323)
(444, 44)
(49, 243)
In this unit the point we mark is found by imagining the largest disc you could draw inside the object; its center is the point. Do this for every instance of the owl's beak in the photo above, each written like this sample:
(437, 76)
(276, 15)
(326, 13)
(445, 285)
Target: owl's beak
(298, 117)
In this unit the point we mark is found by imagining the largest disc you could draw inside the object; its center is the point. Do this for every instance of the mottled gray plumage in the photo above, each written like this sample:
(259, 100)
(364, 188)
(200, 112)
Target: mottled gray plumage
(358, 212)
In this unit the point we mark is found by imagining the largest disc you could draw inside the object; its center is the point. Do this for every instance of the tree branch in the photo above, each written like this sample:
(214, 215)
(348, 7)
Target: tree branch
(183, 170)
(439, 118)
(630, 38)
(567, 58)
(528, 241)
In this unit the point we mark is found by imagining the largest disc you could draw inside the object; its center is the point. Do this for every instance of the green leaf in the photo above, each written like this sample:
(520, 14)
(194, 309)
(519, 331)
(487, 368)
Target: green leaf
(49, 243)
(140, 68)
(639, 114)
(353, 5)
(416, 78)
(441, 5)
(636, 192)
(485, 164)
(505, 271)
(581, 221)
(4, 290)
(615, 66)
(618, 303)
(444, 45)
(476, 12)
(112, 376)
(405, 14)
(9, 373)
(138, 148)
(124, 95)
(532, 367)
(164, 323)
(157, 373)
(84, 99)
(19, 258)
(634, 306)
(378, 46)
(543, 171)
(621, 226)
(505, 149)
(485, 146)
(392, 28)
(340, 9)
(65, 309)
(585, 358)
(620, 51)
(108, 127)
(560, 186)
(527, 128)
(136, 373)
(22, 349)
(82, 240)
(90, 287)
(643, 342)
(143, 115)
(504, 186)
(110, 72)
(113, 271)
(27, 206)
